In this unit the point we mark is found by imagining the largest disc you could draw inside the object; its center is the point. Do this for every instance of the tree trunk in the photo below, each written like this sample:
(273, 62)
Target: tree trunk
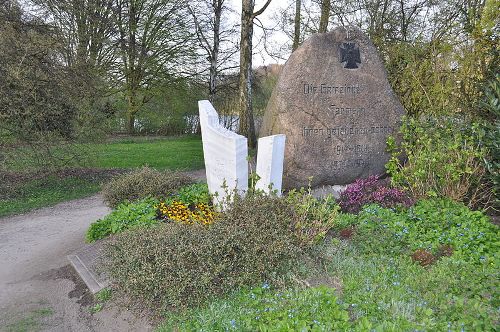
(296, 31)
(247, 126)
(132, 109)
(215, 51)
(325, 16)
(130, 123)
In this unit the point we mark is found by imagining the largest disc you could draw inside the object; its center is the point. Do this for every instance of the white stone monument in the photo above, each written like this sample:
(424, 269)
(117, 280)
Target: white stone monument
(269, 168)
(225, 154)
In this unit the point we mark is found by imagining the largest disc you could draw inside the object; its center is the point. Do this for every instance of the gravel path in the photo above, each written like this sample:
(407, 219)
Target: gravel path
(38, 288)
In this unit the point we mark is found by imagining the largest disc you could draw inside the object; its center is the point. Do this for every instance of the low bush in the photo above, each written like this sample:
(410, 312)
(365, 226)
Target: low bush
(443, 157)
(178, 265)
(313, 218)
(142, 213)
(143, 183)
(372, 190)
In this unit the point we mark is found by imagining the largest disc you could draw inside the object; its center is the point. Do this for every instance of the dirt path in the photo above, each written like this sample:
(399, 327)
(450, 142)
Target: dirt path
(38, 289)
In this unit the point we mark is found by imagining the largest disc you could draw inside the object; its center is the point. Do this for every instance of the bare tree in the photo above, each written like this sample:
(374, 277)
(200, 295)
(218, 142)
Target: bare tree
(86, 27)
(247, 125)
(214, 38)
(153, 37)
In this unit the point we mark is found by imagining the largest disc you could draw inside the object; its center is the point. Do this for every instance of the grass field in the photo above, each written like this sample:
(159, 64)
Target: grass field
(34, 191)
(183, 153)
(47, 192)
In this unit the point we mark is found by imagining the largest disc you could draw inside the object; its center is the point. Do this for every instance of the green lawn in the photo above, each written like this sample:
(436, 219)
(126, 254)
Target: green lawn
(180, 153)
(176, 153)
(47, 192)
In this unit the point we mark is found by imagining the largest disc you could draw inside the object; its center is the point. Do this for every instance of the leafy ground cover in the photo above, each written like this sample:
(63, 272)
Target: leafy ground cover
(25, 186)
(263, 309)
(188, 204)
(376, 260)
(382, 287)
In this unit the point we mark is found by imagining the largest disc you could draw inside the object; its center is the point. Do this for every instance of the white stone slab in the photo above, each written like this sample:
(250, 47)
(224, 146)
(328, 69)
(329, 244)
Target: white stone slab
(270, 156)
(225, 154)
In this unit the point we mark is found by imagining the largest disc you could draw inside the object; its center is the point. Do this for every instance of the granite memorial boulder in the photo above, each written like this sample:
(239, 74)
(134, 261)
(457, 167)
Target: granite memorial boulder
(335, 105)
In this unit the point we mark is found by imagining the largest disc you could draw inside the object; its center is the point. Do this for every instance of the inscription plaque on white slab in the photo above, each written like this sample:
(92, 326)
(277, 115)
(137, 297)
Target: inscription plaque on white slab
(225, 154)
(269, 168)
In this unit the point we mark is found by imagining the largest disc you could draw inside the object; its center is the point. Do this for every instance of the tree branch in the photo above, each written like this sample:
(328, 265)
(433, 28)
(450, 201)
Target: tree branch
(260, 11)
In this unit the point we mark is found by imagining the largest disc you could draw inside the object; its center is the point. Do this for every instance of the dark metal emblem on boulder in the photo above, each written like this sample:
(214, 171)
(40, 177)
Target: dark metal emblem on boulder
(349, 53)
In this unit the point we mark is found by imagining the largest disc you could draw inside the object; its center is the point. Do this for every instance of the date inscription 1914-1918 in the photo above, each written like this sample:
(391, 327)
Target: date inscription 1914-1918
(349, 53)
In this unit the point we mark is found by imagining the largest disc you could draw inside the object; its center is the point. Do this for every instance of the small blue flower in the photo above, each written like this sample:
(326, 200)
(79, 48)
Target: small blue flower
(396, 283)
(233, 323)
(265, 285)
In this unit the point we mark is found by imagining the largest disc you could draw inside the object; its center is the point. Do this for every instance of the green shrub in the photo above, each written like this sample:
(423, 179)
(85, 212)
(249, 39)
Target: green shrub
(260, 309)
(430, 225)
(443, 158)
(491, 126)
(176, 264)
(142, 183)
(313, 218)
(141, 213)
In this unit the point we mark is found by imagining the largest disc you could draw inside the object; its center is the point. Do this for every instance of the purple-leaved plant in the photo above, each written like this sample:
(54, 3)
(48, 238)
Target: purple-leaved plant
(372, 190)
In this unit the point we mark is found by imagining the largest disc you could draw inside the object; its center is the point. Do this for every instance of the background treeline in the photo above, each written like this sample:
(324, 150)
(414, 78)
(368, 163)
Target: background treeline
(77, 70)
